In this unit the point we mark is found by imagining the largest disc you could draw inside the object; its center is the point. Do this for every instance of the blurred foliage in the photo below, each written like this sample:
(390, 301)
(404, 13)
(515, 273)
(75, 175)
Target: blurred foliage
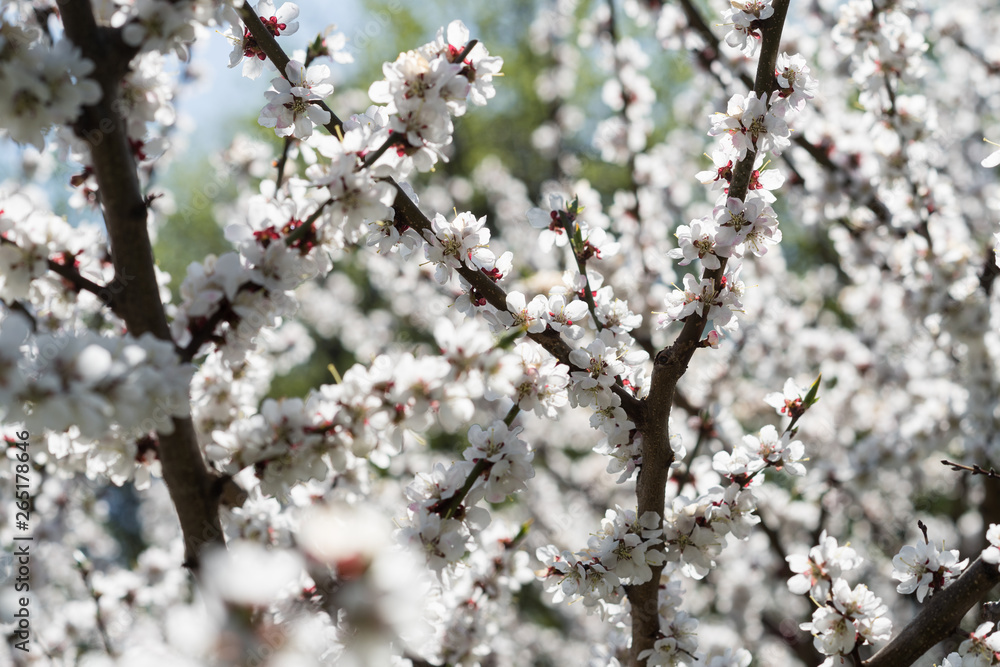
(191, 232)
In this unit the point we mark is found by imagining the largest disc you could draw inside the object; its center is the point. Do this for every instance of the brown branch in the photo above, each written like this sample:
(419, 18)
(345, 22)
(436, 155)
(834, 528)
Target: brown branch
(81, 283)
(184, 470)
(671, 363)
(939, 617)
(975, 469)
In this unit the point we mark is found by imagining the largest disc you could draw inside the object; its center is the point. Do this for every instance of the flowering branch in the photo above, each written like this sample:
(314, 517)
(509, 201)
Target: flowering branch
(269, 45)
(408, 213)
(818, 153)
(187, 476)
(671, 363)
(79, 282)
(940, 616)
(579, 247)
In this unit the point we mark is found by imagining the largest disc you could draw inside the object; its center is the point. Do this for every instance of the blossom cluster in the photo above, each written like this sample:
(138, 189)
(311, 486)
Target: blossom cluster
(621, 553)
(45, 84)
(600, 367)
(101, 396)
(752, 126)
(443, 516)
(925, 569)
(845, 616)
(425, 87)
(370, 414)
(981, 649)
(754, 453)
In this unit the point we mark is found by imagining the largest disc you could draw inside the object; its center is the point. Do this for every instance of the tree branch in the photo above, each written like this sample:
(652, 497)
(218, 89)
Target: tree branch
(671, 363)
(184, 470)
(939, 617)
(269, 45)
(819, 153)
(410, 214)
(83, 284)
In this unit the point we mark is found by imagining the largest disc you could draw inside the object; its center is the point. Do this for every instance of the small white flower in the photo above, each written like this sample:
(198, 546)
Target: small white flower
(292, 108)
(565, 317)
(991, 554)
(463, 240)
(507, 457)
(697, 241)
(925, 569)
(795, 83)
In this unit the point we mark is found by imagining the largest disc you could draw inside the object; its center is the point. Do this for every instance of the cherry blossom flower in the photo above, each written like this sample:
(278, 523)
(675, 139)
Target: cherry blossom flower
(694, 532)
(925, 569)
(614, 314)
(291, 108)
(981, 648)
(721, 175)
(280, 22)
(689, 301)
(737, 219)
(744, 19)
(479, 67)
(697, 240)
(623, 545)
(824, 563)
(571, 578)
(548, 220)
(44, 85)
(507, 458)
(795, 82)
(749, 124)
(564, 315)
(600, 365)
(539, 383)
(789, 402)
(529, 316)
(780, 452)
(850, 616)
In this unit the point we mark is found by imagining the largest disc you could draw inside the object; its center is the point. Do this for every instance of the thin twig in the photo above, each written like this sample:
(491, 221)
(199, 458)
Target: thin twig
(975, 469)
